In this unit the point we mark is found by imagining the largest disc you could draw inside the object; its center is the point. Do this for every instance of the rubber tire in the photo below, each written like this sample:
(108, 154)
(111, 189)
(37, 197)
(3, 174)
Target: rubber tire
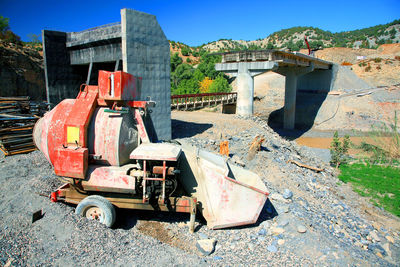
(98, 201)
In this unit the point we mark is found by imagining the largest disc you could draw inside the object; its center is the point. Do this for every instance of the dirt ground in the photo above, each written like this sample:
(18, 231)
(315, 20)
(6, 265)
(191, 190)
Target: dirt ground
(342, 229)
(381, 67)
(339, 224)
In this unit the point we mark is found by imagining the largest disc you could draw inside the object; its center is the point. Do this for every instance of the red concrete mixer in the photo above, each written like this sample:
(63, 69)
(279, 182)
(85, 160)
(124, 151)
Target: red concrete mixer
(99, 144)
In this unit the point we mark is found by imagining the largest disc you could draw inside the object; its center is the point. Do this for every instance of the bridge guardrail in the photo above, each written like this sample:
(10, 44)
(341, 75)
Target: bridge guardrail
(200, 100)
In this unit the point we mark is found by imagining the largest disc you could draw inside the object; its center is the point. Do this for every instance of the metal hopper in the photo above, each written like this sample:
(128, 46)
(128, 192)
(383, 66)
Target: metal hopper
(228, 195)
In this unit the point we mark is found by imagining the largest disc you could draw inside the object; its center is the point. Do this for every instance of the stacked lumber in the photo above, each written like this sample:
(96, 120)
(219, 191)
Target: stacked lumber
(17, 119)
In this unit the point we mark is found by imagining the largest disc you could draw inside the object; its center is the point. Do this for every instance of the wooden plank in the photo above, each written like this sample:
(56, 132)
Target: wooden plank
(4, 137)
(125, 201)
(21, 151)
(15, 98)
(18, 119)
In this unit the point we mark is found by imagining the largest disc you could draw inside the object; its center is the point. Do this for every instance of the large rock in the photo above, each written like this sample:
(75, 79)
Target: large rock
(206, 246)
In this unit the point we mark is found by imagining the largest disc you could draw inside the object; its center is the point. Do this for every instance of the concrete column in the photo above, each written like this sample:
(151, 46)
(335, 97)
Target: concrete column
(289, 110)
(245, 90)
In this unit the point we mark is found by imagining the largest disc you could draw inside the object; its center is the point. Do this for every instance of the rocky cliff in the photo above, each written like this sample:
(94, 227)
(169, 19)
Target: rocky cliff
(21, 71)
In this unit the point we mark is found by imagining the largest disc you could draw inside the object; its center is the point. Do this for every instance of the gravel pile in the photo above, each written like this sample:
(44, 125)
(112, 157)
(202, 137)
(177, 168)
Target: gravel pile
(309, 220)
(346, 79)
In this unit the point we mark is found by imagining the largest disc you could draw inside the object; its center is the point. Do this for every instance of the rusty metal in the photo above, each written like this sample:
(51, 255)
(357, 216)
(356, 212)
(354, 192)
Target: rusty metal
(155, 152)
(118, 85)
(104, 147)
(160, 169)
(193, 210)
(224, 148)
(109, 179)
(141, 128)
(255, 146)
(94, 213)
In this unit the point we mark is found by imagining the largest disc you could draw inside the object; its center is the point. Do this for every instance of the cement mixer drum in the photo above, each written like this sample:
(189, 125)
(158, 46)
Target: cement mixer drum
(111, 136)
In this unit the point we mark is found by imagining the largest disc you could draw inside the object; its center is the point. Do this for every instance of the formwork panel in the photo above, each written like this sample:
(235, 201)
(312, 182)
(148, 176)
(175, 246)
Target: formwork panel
(145, 53)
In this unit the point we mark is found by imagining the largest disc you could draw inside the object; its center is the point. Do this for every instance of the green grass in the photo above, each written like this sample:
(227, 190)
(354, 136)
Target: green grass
(380, 183)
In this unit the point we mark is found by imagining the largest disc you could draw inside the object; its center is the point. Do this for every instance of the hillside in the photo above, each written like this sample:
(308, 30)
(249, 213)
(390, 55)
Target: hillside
(21, 71)
(188, 54)
(293, 39)
(365, 41)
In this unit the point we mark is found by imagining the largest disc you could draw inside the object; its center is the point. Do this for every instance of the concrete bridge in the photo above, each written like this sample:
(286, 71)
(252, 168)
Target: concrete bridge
(302, 72)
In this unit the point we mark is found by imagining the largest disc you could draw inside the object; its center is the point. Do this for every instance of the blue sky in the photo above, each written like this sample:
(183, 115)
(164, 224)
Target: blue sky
(198, 22)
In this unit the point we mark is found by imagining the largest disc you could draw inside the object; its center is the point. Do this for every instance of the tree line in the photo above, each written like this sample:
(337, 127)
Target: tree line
(186, 79)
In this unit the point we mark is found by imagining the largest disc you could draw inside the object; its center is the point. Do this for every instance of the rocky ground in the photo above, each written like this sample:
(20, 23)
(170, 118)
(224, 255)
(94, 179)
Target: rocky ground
(347, 109)
(310, 219)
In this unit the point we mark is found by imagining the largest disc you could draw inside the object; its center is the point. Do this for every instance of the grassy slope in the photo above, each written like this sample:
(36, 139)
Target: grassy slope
(380, 183)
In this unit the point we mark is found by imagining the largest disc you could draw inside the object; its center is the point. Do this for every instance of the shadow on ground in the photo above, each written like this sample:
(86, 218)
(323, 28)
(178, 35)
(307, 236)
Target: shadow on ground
(127, 218)
(183, 129)
(307, 107)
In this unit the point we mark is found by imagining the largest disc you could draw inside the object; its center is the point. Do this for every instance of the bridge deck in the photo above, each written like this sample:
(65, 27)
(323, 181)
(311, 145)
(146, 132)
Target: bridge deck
(283, 58)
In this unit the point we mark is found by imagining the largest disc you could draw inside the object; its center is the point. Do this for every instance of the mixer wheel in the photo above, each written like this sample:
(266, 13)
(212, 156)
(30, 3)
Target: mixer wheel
(97, 208)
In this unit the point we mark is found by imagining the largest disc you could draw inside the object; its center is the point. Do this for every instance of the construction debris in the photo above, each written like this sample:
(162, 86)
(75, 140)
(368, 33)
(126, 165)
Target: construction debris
(305, 166)
(17, 119)
(206, 246)
(255, 146)
(224, 148)
(363, 94)
(334, 93)
(37, 215)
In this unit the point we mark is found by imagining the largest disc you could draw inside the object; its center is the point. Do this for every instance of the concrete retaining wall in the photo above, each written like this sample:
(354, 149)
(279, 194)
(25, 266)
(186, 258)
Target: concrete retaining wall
(61, 80)
(145, 53)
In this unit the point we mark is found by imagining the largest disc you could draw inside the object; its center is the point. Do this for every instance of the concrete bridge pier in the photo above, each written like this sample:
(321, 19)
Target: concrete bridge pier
(244, 73)
(245, 89)
(289, 109)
